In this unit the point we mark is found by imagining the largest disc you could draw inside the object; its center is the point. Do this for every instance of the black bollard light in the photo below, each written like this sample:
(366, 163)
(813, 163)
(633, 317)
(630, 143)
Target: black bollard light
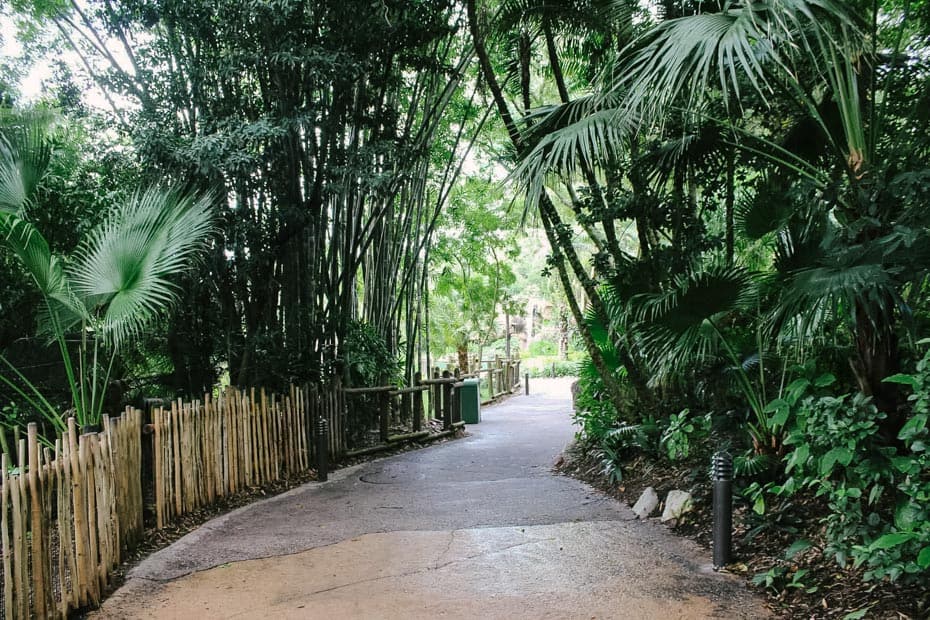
(722, 471)
(526, 383)
(322, 450)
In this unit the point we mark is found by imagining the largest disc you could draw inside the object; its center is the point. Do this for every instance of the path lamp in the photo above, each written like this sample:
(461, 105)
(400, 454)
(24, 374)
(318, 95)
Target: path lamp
(722, 472)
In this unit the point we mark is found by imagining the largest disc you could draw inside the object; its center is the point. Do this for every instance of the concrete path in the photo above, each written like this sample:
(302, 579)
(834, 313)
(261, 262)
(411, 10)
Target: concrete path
(476, 528)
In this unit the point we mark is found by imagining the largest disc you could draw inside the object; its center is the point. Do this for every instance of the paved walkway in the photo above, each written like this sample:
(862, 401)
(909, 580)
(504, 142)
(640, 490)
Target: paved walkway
(476, 528)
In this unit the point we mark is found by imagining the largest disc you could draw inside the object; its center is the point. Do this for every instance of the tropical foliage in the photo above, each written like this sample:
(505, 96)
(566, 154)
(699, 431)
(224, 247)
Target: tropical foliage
(115, 284)
(763, 161)
(731, 196)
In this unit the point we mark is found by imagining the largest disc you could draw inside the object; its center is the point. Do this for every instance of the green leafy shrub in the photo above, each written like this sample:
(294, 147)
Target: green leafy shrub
(683, 433)
(540, 348)
(550, 367)
(611, 440)
(367, 359)
(877, 494)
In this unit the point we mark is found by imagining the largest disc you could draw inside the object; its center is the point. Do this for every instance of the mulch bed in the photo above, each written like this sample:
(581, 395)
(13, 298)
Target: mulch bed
(824, 591)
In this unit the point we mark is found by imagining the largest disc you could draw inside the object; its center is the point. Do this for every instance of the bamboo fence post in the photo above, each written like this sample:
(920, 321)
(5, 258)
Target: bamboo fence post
(240, 442)
(254, 446)
(5, 540)
(18, 569)
(158, 473)
(446, 402)
(79, 508)
(112, 432)
(223, 405)
(247, 441)
(67, 528)
(384, 415)
(101, 506)
(303, 436)
(176, 458)
(233, 442)
(436, 395)
(417, 403)
(275, 430)
(87, 446)
(216, 446)
(262, 426)
(37, 524)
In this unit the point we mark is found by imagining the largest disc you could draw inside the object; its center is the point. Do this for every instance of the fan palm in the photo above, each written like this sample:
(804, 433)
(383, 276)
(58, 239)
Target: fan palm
(117, 282)
(848, 78)
(684, 325)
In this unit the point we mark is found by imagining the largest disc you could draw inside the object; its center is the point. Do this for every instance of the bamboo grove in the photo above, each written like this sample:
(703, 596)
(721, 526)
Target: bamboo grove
(334, 130)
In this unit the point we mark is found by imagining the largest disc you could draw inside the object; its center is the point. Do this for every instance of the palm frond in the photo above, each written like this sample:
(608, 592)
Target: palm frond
(588, 131)
(25, 154)
(751, 463)
(763, 210)
(745, 43)
(46, 269)
(677, 327)
(866, 289)
(125, 266)
(698, 149)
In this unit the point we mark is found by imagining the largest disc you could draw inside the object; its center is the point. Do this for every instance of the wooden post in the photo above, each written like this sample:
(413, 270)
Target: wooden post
(436, 396)
(446, 402)
(20, 585)
(39, 531)
(498, 365)
(5, 540)
(417, 403)
(384, 414)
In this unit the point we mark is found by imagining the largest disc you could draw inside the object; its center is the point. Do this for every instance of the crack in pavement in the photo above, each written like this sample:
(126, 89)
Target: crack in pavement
(425, 569)
(448, 546)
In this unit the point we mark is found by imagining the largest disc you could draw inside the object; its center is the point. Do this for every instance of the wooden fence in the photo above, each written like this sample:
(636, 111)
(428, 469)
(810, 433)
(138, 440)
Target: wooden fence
(498, 376)
(207, 449)
(68, 514)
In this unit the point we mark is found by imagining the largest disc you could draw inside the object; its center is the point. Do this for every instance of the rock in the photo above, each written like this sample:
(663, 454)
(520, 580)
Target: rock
(677, 503)
(575, 388)
(646, 503)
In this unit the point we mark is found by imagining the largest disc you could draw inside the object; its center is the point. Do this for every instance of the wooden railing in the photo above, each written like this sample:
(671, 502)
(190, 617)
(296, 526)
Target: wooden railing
(499, 377)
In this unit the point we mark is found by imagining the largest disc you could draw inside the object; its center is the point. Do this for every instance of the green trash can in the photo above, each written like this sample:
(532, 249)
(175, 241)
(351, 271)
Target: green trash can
(470, 401)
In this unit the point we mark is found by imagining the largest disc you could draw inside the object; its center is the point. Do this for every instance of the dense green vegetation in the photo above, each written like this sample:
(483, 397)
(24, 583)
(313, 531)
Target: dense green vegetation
(734, 196)
(754, 177)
